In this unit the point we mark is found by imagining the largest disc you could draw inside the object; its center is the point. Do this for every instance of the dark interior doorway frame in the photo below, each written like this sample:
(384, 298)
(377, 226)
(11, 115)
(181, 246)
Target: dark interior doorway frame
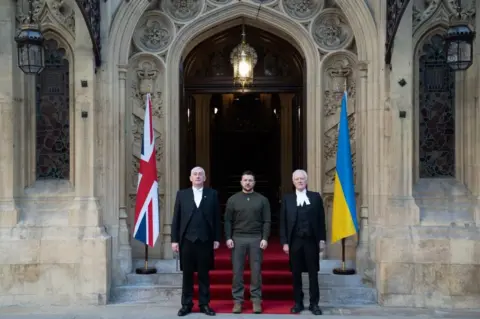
(207, 70)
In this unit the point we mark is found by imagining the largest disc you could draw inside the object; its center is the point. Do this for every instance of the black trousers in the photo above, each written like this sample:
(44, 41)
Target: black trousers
(304, 255)
(196, 257)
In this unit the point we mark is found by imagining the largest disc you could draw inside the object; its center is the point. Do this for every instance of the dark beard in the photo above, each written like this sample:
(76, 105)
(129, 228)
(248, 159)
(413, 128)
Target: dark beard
(247, 190)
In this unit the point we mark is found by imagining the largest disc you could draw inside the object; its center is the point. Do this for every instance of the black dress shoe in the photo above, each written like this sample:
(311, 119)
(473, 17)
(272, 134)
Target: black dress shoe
(185, 310)
(207, 310)
(297, 308)
(315, 310)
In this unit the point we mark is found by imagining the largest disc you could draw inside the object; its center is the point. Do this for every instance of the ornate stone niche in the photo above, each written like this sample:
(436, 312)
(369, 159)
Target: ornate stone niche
(339, 75)
(146, 74)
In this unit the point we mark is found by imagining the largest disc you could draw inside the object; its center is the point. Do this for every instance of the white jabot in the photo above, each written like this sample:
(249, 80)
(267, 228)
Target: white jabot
(197, 195)
(302, 198)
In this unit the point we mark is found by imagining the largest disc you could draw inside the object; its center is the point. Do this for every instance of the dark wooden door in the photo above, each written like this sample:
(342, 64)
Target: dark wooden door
(246, 136)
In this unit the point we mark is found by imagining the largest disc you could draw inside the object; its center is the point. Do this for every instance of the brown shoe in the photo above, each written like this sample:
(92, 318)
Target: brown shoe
(237, 308)
(257, 307)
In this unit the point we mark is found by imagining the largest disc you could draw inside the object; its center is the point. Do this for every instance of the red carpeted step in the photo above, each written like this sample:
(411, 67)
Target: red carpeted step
(224, 292)
(269, 307)
(277, 289)
(278, 261)
(269, 277)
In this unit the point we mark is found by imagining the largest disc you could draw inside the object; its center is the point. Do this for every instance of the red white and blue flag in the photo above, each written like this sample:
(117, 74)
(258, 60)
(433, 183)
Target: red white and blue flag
(147, 212)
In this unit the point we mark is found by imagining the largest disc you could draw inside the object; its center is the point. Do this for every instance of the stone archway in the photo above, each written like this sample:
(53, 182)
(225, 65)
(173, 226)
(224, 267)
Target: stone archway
(354, 14)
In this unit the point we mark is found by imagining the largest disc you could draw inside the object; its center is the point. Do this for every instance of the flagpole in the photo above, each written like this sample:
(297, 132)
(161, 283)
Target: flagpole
(343, 270)
(145, 270)
(147, 207)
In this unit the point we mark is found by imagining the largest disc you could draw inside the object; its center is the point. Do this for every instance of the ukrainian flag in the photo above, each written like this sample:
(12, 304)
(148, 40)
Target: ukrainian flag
(344, 216)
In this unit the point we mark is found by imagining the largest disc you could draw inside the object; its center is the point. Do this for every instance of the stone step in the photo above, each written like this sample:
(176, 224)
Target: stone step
(431, 217)
(164, 279)
(169, 295)
(170, 266)
(164, 288)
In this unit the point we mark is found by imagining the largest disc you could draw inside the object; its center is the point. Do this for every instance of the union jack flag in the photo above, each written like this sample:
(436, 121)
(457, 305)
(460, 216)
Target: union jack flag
(147, 212)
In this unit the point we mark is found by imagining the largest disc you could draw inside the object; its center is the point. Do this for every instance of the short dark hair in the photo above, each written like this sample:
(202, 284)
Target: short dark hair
(247, 172)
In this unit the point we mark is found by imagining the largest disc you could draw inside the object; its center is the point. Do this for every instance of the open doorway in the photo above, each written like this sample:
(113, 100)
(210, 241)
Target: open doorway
(246, 136)
(228, 130)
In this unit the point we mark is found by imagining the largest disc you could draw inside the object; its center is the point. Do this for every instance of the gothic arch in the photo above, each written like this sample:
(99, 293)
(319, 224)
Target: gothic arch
(420, 40)
(129, 13)
(204, 28)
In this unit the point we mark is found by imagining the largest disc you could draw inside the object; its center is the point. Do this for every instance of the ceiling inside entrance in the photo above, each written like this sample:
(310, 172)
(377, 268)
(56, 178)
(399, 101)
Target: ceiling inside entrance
(208, 64)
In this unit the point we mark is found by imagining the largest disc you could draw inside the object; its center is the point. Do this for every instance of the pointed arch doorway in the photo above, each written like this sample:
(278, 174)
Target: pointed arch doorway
(227, 129)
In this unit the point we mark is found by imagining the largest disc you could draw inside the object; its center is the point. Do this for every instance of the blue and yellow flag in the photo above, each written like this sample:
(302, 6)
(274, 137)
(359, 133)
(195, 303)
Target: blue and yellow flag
(344, 214)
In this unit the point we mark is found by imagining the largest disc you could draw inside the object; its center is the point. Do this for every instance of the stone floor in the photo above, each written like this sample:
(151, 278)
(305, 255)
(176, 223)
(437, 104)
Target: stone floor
(146, 311)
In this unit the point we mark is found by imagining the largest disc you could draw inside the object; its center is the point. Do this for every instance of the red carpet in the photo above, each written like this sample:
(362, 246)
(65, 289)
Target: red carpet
(277, 289)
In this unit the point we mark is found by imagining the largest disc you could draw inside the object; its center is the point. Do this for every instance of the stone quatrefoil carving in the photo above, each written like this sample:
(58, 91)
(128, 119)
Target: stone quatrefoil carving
(303, 9)
(331, 30)
(183, 10)
(155, 32)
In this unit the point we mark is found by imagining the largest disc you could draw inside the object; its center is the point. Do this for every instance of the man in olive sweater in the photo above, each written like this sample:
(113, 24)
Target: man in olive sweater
(247, 228)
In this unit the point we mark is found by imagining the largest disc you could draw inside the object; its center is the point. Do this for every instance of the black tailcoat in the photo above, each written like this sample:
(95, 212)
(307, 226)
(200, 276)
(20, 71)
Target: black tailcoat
(288, 218)
(182, 213)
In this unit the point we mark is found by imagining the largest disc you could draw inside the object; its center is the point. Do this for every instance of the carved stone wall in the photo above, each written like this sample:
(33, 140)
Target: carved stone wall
(339, 75)
(57, 13)
(146, 74)
(430, 12)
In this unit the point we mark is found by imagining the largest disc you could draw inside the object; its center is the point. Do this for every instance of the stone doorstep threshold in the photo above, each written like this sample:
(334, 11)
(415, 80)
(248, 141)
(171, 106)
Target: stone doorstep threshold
(172, 266)
(126, 310)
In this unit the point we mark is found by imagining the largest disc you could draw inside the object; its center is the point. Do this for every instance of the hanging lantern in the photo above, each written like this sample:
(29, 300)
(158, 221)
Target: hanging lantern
(459, 47)
(30, 49)
(243, 59)
(459, 41)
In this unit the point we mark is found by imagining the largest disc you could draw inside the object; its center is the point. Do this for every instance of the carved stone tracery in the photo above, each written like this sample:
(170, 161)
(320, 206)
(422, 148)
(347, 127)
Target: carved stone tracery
(146, 75)
(339, 76)
(439, 11)
(154, 32)
(302, 9)
(331, 31)
(183, 10)
(48, 11)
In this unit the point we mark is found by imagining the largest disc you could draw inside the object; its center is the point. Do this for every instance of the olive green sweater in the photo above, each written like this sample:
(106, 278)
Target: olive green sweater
(247, 214)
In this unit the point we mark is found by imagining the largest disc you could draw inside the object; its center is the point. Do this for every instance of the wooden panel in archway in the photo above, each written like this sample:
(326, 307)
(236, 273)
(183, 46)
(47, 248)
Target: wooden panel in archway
(207, 67)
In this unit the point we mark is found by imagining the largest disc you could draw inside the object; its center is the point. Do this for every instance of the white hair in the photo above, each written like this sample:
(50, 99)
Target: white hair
(300, 171)
(196, 169)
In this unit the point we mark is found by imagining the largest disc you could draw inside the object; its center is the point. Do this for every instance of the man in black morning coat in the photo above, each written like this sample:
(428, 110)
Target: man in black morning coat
(195, 235)
(302, 232)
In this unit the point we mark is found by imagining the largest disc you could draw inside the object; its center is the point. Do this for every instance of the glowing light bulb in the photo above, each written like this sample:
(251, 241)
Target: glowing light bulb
(244, 68)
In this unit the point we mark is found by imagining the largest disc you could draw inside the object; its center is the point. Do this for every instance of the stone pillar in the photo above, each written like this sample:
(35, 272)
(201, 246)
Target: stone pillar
(364, 264)
(86, 212)
(404, 209)
(202, 132)
(124, 253)
(286, 147)
(8, 167)
(476, 105)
